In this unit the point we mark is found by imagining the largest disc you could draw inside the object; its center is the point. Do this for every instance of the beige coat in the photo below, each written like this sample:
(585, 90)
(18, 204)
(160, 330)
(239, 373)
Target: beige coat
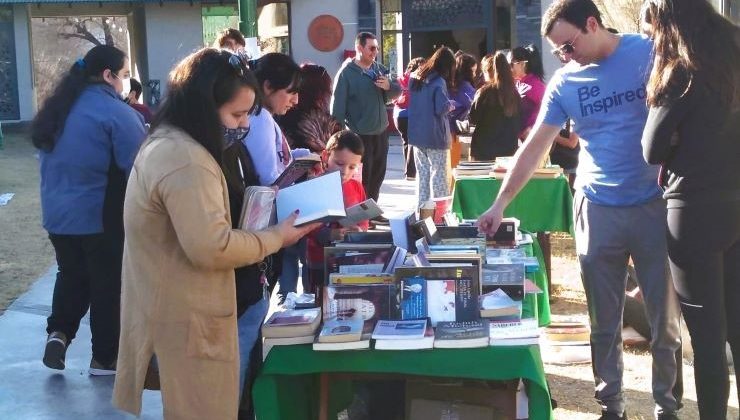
(178, 297)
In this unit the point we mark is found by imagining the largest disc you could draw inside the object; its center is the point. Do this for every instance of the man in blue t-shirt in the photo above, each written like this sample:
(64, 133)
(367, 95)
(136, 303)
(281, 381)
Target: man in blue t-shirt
(619, 212)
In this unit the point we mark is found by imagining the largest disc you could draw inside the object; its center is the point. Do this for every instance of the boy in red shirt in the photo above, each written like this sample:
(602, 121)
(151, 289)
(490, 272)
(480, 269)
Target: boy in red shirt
(343, 153)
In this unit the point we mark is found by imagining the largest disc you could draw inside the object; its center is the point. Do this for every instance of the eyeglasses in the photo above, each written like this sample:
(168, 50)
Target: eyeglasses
(567, 48)
(517, 62)
(124, 77)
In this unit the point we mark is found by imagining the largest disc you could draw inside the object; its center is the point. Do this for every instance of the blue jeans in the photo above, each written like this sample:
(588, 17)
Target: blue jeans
(289, 274)
(249, 328)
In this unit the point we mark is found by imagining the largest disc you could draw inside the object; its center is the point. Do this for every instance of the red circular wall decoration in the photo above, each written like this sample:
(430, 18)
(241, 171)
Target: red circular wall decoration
(325, 33)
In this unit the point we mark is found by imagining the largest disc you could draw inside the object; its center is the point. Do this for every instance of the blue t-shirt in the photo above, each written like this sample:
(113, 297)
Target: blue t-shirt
(607, 102)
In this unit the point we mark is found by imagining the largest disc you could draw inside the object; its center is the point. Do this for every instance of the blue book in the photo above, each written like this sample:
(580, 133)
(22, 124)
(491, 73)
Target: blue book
(413, 298)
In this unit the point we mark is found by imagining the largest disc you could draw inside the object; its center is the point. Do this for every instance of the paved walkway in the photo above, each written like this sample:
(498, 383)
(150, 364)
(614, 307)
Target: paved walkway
(30, 391)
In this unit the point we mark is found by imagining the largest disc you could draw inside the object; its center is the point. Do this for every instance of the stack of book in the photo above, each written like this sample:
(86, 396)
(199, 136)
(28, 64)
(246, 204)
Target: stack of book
(545, 170)
(293, 326)
(412, 334)
(567, 342)
(468, 170)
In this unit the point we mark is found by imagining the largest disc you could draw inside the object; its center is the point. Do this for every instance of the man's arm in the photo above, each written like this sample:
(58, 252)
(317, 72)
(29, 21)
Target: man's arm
(526, 160)
(338, 107)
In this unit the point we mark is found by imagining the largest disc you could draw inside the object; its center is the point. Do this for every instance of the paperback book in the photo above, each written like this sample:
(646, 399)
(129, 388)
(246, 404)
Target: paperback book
(366, 210)
(464, 334)
(425, 342)
(399, 330)
(297, 170)
(292, 323)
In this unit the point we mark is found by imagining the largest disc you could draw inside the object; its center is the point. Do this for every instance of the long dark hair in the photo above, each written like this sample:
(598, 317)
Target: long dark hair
(49, 122)
(442, 62)
(691, 37)
(315, 91)
(502, 81)
(533, 60)
(199, 85)
(279, 70)
(464, 63)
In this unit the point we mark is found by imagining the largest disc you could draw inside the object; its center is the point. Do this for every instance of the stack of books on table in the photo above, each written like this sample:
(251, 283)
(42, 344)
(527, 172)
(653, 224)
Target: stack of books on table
(289, 327)
(462, 334)
(468, 170)
(545, 170)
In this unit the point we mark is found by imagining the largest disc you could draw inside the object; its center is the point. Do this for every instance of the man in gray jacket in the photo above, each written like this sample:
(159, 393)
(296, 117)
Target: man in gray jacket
(361, 91)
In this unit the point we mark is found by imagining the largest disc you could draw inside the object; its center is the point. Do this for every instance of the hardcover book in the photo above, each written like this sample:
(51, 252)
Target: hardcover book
(357, 260)
(318, 200)
(465, 334)
(292, 323)
(425, 342)
(509, 277)
(296, 170)
(500, 306)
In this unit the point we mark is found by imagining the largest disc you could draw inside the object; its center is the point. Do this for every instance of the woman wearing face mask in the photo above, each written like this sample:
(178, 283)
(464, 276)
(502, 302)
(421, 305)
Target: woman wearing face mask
(178, 295)
(87, 137)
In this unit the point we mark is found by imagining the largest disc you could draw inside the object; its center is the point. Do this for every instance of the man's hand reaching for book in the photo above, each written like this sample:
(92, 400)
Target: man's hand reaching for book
(292, 234)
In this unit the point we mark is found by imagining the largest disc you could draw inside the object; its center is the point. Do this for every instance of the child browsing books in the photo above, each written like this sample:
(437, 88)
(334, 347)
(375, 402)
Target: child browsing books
(343, 153)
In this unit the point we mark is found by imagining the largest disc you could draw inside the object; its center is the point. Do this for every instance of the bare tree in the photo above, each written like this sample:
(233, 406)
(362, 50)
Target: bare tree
(82, 29)
(622, 15)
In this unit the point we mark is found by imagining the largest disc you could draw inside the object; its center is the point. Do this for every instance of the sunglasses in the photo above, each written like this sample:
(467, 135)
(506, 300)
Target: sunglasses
(567, 48)
(239, 61)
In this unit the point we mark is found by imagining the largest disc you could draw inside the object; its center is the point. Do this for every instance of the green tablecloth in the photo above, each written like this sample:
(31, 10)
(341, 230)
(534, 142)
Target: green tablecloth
(537, 305)
(543, 205)
(287, 387)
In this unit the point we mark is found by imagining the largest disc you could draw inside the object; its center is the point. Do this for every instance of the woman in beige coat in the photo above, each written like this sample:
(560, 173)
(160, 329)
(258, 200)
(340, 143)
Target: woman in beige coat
(178, 295)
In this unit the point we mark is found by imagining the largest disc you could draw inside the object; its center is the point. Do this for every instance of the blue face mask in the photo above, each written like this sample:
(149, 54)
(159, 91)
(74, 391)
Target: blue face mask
(232, 135)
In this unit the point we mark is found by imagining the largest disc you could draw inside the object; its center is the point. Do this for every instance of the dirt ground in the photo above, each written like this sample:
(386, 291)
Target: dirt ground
(25, 250)
(25, 253)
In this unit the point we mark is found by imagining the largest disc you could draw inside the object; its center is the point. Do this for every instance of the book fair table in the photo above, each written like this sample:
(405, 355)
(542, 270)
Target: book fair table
(543, 205)
(292, 377)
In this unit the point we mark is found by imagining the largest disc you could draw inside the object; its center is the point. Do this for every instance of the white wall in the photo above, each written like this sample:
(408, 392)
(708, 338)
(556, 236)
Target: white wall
(302, 12)
(548, 60)
(172, 32)
(24, 66)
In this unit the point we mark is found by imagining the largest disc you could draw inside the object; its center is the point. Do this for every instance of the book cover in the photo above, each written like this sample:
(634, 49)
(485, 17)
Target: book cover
(497, 275)
(257, 208)
(341, 331)
(318, 199)
(451, 292)
(369, 303)
(505, 252)
(366, 210)
(371, 260)
(399, 330)
(401, 231)
(462, 334)
(499, 305)
(297, 169)
(413, 298)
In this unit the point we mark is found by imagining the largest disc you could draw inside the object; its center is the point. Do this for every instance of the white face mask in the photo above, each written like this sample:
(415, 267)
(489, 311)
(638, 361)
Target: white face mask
(126, 87)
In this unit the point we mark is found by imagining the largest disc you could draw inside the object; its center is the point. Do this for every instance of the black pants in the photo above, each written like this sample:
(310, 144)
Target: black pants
(89, 276)
(374, 162)
(409, 168)
(704, 251)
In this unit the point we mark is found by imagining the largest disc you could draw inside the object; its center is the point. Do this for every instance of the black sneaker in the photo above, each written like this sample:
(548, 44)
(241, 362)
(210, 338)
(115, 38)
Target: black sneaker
(608, 415)
(99, 369)
(379, 220)
(56, 350)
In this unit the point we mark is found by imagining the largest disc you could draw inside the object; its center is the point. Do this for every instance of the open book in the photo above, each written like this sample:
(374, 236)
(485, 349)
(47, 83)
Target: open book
(296, 170)
(318, 199)
(366, 210)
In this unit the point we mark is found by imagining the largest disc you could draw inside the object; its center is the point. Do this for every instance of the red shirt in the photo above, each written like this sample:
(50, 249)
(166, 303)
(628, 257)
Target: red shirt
(353, 193)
